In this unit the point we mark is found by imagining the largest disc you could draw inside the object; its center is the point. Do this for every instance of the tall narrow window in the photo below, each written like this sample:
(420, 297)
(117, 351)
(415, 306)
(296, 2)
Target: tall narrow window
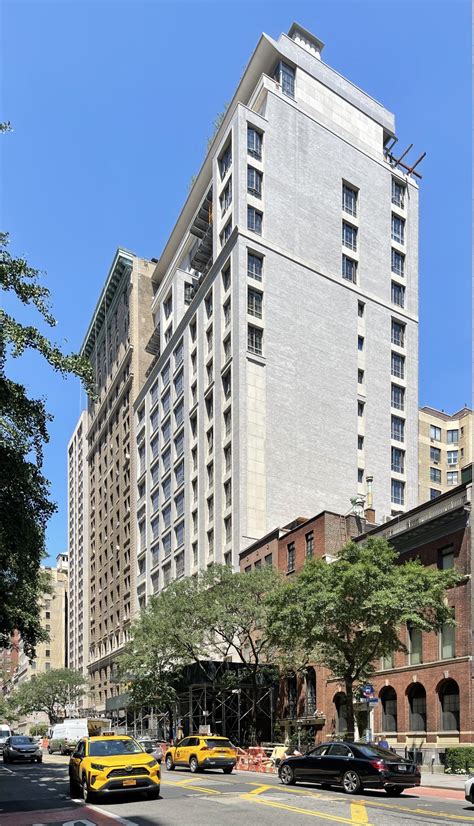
(398, 333)
(254, 220)
(255, 340)
(415, 645)
(398, 429)
(254, 142)
(349, 269)
(398, 263)
(349, 235)
(285, 75)
(398, 193)
(398, 397)
(398, 365)
(254, 266)
(398, 294)
(398, 229)
(254, 182)
(349, 199)
(398, 460)
(254, 302)
(291, 555)
(398, 492)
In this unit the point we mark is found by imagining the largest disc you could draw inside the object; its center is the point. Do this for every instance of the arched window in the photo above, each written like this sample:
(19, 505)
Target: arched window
(310, 691)
(340, 701)
(417, 706)
(291, 691)
(448, 693)
(388, 699)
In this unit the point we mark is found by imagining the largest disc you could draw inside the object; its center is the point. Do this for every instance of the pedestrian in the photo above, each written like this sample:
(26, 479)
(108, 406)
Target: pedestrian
(383, 744)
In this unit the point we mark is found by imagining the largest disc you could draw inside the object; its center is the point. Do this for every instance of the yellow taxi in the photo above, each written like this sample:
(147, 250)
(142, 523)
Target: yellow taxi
(112, 763)
(200, 752)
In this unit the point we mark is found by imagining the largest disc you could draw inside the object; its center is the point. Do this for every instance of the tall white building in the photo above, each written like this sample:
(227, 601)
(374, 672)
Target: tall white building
(78, 547)
(286, 328)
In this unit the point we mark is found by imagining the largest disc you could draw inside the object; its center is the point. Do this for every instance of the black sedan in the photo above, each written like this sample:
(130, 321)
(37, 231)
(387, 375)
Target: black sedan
(354, 766)
(20, 747)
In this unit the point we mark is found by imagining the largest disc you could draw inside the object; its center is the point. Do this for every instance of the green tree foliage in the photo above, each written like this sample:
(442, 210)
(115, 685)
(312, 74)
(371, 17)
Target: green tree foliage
(25, 504)
(49, 692)
(39, 730)
(348, 614)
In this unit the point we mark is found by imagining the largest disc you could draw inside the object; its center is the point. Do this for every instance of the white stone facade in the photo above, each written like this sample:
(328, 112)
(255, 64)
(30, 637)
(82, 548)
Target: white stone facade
(278, 383)
(78, 547)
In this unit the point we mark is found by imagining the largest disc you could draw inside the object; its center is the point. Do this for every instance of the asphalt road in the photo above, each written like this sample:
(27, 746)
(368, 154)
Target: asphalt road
(38, 795)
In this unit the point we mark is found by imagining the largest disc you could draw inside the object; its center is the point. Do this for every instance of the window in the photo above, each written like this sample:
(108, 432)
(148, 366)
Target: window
(155, 528)
(398, 397)
(360, 475)
(167, 544)
(179, 413)
(166, 516)
(228, 422)
(209, 339)
(349, 235)
(208, 304)
(227, 313)
(188, 292)
(452, 477)
(226, 232)
(154, 448)
(360, 309)
(166, 456)
(47, 616)
(269, 559)
(254, 142)
(258, 564)
(254, 220)
(195, 553)
(179, 533)
(225, 161)
(255, 340)
(254, 302)
(166, 401)
(228, 529)
(446, 558)
(435, 454)
(398, 229)
(452, 457)
(309, 543)
(167, 488)
(360, 443)
(453, 437)
(226, 197)
(180, 565)
(179, 445)
(388, 697)
(226, 277)
(154, 419)
(227, 384)
(449, 701)
(210, 542)
(398, 193)
(285, 75)
(398, 429)
(434, 493)
(435, 433)
(398, 333)
(165, 375)
(228, 458)
(349, 269)
(446, 642)
(398, 460)
(398, 365)
(154, 501)
(415, 645)
(360, 343)
(398, 294)
(349, 199)
(254, 266)
(398, 492)
(360, 408)
(168, 306)
(254, 181)
(209, 407)
(435, 475)
(228, 494)
(210, 373)
(210, 474)
(166, 431)
(291, 553)
(360, 376)
(210, 440)
(178, 355)
(398, 263)
(179, 504)
(227, 348)
(153, 399)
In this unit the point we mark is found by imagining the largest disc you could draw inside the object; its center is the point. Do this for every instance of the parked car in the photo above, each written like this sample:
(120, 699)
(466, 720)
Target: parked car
(5, 731)
(469, 789)
(66, 735)
(112, 763)
(201, 752)
(21, 747)
(354, 766)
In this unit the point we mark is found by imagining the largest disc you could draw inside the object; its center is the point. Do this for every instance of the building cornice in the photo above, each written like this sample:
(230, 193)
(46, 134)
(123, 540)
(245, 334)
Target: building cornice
(121, 265)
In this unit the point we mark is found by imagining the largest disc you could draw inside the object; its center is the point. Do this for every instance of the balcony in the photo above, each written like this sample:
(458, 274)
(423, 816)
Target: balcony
(202, 229)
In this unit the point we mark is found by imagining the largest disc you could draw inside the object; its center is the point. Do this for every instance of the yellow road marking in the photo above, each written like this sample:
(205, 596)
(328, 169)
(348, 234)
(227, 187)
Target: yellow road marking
(391, 806)
(359, 813)
(193, 788)
(260, 789)
(321, 815)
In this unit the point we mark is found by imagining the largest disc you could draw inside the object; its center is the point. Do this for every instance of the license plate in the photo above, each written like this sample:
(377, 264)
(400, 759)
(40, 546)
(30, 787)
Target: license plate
(402, 768)
(129, 782)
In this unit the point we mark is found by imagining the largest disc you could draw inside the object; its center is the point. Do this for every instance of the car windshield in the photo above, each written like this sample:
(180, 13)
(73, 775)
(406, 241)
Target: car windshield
(22, 741)
(218, 743)
(377, 751)
(107, 748)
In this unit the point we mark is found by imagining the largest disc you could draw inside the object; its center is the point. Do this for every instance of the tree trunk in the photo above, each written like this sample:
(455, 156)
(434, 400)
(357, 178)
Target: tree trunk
(349, 685)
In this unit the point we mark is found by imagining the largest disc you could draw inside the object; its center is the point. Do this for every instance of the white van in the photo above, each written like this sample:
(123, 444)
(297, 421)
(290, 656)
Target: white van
(5, 731)
(64, 736)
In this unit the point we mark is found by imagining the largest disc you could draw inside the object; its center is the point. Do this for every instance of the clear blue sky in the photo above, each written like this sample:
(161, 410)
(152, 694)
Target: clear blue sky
(112, 103)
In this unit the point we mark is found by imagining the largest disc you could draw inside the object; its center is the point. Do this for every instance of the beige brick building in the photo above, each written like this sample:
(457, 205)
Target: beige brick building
(114, 343)
(445, 447)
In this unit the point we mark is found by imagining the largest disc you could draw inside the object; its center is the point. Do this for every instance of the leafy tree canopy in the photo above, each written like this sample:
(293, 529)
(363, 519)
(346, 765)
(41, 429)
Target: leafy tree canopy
(347, 614)
(49, 692)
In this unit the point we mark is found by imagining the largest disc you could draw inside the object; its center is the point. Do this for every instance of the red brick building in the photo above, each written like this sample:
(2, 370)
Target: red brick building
(425, 697)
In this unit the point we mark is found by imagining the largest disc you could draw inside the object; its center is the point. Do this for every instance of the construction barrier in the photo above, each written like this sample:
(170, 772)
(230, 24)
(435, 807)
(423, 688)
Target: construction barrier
(255, 759)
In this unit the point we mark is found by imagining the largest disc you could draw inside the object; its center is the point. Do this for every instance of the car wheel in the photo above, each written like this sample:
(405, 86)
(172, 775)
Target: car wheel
(153, 794)
(39, 759)
(87, 795)
(169, 763)
(351, 782)
(193, 765)
(50, 751)
(287, 776)
(394, 791)
(228, 770)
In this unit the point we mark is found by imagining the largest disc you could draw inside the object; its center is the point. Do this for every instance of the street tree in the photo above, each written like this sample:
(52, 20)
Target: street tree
(51, 692)
(25, 503)
(348, 614)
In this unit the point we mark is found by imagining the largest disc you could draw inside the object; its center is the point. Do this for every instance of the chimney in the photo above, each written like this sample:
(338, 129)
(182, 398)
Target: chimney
(306, 40)
(369, 514)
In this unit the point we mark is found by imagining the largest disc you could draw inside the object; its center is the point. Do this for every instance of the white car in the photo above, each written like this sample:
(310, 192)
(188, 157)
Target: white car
(469, 789)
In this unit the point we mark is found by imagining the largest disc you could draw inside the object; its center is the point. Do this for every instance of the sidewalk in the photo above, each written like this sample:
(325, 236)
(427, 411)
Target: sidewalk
(443, 781)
